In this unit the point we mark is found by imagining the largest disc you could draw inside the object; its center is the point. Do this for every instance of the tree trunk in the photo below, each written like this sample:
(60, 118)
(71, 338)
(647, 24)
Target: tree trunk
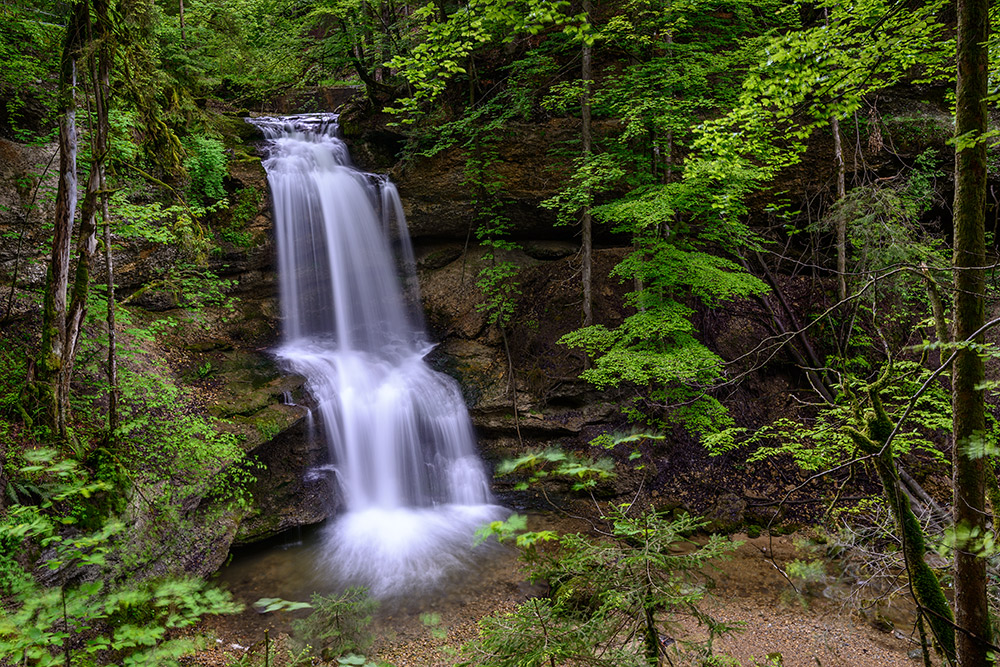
(109, 268)
(57, 281)
(937, 312)
(586, 250)
(968, 374)
(103, 91)
(838, 159)
(87, 242)
(180, 13)
(924, 584)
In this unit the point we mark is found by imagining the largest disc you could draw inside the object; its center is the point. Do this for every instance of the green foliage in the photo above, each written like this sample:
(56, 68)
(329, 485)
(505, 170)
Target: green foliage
(584, 473)
(432, 621)
(251, 658)
(655, 349)
(514, 527)
(866, 423)
(242, 213)
(248, 49)
(673, 223)
(448, 43)
(123, 130)
(167, 444)
(338, 624)
(267, 605)
(883, 220)
(165, 453)
(357, 43)
(356, 660)
(206, 164)
(512, 639)
(681, 209)
(634, 438)
(611, 597)
(685, 59)
(92, 623)
(824, 441)
(59, 487)
(30, 41)
(179, 228)
(824, 71)
(53, 481)
(806, 572)
(13, 368)
(246, 207)
(178, 225)
(591, 177)
(190, 286)
(499, 286)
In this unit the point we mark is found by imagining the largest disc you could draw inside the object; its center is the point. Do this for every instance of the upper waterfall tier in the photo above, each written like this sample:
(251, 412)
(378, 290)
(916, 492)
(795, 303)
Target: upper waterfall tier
(339, 278)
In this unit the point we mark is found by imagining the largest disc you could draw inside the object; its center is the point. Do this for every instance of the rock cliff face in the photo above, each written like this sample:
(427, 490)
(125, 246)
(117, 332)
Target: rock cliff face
(437, 200)
(268, 407)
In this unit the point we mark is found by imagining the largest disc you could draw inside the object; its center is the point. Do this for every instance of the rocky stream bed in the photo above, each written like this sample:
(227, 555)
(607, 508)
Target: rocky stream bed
(803, 627)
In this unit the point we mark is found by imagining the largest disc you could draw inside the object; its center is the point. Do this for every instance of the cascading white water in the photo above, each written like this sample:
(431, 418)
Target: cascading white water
(399, 433)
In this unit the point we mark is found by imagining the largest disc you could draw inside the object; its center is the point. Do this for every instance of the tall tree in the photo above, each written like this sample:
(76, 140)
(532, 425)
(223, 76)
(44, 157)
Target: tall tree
(57, 281)
(838, 159)
(99, 36)
(586, 222)
(65, 309)
(968, 372)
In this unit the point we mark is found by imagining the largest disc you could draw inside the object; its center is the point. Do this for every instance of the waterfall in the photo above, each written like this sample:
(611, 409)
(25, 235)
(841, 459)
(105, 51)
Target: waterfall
(400, 439)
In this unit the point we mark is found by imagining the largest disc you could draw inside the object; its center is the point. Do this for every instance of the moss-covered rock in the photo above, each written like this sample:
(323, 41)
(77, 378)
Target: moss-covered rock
(293, 488)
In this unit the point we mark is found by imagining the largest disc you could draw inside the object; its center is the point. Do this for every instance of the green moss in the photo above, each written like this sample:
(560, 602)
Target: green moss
(871, 439)
(268, 428)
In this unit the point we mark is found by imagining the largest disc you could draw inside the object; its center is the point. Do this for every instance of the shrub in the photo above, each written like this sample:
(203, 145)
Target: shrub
(338, 624)
(206, 165)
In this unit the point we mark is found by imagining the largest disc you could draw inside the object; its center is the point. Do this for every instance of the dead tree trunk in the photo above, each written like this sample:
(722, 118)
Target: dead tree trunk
(100, 75)
(52, 352)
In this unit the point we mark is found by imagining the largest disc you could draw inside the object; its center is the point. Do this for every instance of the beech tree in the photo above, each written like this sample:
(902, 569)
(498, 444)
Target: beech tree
(684, 61)
(968, 370)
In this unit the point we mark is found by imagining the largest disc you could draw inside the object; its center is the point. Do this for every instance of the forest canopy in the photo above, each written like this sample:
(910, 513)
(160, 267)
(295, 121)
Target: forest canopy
(750, 190)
